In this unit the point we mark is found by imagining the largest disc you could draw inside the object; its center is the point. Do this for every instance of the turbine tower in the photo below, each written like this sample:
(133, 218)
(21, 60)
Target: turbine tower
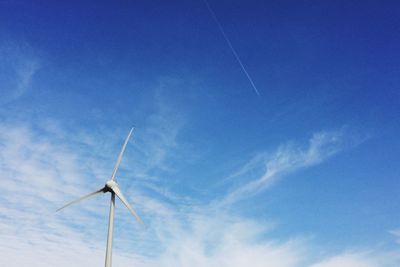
(112, 187)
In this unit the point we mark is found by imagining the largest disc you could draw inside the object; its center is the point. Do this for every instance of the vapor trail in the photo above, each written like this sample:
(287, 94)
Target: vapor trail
(231, 46)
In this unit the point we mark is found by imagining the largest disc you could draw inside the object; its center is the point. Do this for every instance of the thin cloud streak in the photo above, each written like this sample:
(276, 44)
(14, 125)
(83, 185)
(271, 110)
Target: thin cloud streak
(396, 233)
(18, 69)
(366, 258)
(214, 16)
(287, 159)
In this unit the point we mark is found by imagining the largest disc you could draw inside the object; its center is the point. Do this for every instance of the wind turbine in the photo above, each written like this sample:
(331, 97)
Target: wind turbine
(112, 187)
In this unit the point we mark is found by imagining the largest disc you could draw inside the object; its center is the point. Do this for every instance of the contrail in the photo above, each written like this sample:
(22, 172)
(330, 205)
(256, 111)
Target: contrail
(231, 46)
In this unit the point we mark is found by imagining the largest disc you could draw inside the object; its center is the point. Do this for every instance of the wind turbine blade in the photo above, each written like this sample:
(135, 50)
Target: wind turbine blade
(120, 155)
(123, 200)
(82, 198)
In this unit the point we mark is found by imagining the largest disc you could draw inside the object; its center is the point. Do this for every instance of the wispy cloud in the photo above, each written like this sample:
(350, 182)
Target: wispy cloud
(19, 65)
(360, 259)
(396, 233)
(287, 158)
(41, 171)
(209, 240)
(157, 138)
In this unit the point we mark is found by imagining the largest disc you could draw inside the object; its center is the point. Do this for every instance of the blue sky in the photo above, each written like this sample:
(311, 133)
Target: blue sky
(303, 174)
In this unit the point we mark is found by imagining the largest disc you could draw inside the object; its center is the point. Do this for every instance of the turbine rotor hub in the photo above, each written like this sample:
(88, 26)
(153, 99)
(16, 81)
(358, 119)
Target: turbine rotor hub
(111, 184)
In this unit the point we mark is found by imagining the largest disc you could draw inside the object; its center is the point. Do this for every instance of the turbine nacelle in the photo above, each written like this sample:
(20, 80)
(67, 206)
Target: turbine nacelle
(110, 185)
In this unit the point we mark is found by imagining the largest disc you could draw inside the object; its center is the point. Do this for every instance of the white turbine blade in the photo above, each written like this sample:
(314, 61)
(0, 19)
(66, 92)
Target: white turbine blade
(123, 200)
(120, 155)
(82, 198)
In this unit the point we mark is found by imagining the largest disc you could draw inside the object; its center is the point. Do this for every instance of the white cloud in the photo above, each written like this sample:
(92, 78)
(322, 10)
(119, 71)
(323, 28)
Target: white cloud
(18, 67)
(287, 159)
(361, 259)
(40, 171)
(396, 233)
(347, 260)
(225, 241)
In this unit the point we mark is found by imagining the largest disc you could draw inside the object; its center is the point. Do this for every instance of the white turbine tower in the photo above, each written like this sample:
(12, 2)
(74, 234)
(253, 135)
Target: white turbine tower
(112, 187)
